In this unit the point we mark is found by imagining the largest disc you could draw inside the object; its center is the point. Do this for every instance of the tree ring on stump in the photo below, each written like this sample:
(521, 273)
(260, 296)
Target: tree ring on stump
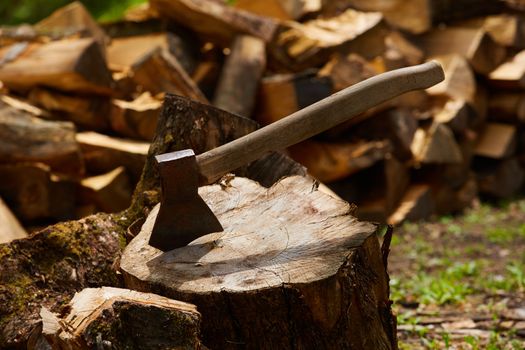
(284, 250)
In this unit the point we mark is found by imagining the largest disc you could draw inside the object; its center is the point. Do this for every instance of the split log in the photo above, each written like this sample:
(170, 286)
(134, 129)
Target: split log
(283, 94)
(418, 16)
(24, 106)
(240, 76)
(497, 141)
(10, 227)
(345, 71)
(159, 72)
(300, 46)
(416, 204)
(103, 153)
(121, 318)
(400, 52)
(473, 44)
(214, 20)
(449, 200)
(34, 193)
(509, 75)
(283, 10)
(330, 162)
(460, 82)
(499, 179)
(90, 112)
(73, 19)
(506, 29)
(67, 65)
(507, 106)
(111, 192)
(436, 144)
(455, 114)
(29, 139)
(136, 119)
(231, 278)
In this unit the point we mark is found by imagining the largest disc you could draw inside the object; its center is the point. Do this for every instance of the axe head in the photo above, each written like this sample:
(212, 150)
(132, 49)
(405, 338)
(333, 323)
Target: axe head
(183, 215)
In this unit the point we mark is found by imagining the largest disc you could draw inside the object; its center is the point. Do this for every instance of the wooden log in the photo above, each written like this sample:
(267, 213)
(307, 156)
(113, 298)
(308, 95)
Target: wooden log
(418, 16)
(160, 63)
(283, 10)
(510, 74)
(73, 19)
(436, 144)
(330, 162)
(10, 227)
(34, 193)
(416, 204)
(460, 82)
(214, 20)
(506, 29)
(67, 65)
(400, 52)
(281, 95)
(23, 105)
(475, 45)
(454, 200)
(507, 106)
(111, 192)
(29, 139)
(103, 153)
(455, 114)
(123, 318)
(255, 273)
(240, 76)
(300, 46)
(90, 112)
(499, 179)
(136, 119)
(345, 71)
(497, 141)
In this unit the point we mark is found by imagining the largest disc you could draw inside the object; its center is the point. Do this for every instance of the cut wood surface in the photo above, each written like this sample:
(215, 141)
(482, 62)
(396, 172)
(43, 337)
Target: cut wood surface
(459, 83)
(507, 106)
(10, 227)
(416, 204)
(506, 29)
(436, 144)
(280, 9)
(298, 46)
(69, 65)
(111, 192)
(215, 20)
(29, 139)
(511, 74)
(124, 319)
(345, 71)
(239, 81)
(497, 141)
(136, 119)
(103, 153)
(455, 114)
(269, 247)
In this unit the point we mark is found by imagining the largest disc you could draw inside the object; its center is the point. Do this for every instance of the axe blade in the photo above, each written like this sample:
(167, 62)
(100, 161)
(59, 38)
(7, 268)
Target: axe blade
(183, 215)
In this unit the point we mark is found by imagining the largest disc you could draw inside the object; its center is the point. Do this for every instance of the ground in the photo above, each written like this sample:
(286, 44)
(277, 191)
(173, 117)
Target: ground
(459, 282)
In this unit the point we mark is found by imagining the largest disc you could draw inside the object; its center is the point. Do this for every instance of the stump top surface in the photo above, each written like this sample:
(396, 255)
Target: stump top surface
(289, 233)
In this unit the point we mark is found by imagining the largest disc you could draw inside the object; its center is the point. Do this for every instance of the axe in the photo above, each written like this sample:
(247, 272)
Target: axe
(184, 216)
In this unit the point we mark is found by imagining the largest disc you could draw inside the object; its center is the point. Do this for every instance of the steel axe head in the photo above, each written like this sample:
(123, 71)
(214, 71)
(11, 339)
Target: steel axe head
(183, 215)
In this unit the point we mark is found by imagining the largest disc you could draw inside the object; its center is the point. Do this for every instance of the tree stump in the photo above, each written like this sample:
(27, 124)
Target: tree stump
(293, 269)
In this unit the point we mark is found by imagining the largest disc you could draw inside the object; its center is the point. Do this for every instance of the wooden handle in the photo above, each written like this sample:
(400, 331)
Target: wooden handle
(317, 118)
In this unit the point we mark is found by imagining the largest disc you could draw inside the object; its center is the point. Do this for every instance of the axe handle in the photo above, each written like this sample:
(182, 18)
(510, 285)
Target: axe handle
(316, 118)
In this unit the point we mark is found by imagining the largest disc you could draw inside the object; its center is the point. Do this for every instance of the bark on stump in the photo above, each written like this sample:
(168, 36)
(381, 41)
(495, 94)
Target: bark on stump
(293, 269)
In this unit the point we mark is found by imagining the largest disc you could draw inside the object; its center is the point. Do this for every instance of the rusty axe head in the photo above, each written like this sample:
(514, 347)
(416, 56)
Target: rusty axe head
(183, 215)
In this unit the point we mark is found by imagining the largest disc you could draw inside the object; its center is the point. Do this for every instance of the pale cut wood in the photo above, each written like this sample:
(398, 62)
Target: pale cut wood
(460, 82)
(10, 227)
(330, 162)
(455, 114)
(475, 45)
(103, 153)
(299, 46)
(34, 193)
(23, 105)
(416, 204)
(215, 20)
(507, 106)
(136, 119)
(90, 112)
(306, 123)
(497, 141)
(436, 144)
(73, 19)
(400, 52)
(160, 72)
(68, 65)
(240, 76)
(29, 139)
(273, 243)
(111, 192)
(123, 318)
(506, 29)
(345, 71)
(280, 9)
(511, 74)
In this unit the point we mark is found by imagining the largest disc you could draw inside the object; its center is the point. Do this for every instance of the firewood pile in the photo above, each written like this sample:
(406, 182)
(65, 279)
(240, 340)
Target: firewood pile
(80, 100)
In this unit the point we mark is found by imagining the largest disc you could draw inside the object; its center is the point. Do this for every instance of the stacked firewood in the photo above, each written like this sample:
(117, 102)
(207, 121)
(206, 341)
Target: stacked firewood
(80, 100)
